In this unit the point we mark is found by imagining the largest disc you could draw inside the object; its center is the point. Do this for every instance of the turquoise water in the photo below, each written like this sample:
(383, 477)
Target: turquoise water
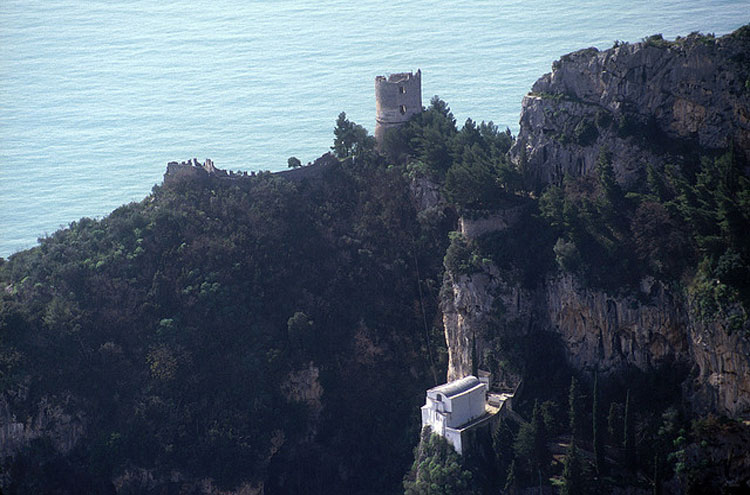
(97, 96)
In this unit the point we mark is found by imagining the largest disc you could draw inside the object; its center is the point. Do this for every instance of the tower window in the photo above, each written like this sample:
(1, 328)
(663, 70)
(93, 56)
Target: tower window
(402, 90)
(402, 109)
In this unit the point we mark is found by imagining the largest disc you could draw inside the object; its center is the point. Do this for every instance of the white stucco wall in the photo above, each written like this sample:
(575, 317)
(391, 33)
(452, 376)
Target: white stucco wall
(454, 438)
(467, 406)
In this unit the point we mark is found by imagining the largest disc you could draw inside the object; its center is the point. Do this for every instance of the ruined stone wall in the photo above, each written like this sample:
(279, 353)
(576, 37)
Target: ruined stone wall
(397, 98)
(472, 228)
(194, 170)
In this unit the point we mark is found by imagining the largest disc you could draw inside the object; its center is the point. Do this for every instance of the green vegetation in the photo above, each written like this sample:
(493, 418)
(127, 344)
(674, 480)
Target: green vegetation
(293, 162)
(437, 469)
(585, 133)
(596, 428)
(572, 473)
(175, 327)
(471, 162)
(244, 330)
(628, 437)
(531, 447)
(351, 139)
(679, 222)
(656, 40)
(574, 409)
(459, 258)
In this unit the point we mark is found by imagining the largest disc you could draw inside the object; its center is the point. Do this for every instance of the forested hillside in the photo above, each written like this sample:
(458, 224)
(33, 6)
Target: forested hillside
(252, 331)
(275, 333)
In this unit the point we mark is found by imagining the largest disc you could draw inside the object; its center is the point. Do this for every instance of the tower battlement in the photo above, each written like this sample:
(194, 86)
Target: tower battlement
(397, 98)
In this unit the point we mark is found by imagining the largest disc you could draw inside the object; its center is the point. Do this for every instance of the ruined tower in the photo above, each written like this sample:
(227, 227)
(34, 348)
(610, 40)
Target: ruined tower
(397, 98)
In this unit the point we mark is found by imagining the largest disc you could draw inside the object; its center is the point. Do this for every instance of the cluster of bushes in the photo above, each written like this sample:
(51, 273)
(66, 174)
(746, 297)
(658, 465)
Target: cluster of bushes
(681, 221)
(471, 163)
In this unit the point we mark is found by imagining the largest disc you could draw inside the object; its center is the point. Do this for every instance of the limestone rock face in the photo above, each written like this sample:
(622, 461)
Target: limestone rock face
(598, 330)
(304, 386)
(52, 419)
(426, 194)
(633, 99)
(646, 103)
(140, 480)
(610, 333)
(723, 362)
(471, 306)
(466, 305)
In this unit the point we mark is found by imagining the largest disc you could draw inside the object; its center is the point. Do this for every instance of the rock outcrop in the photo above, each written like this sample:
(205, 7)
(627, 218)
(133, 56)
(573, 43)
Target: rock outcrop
(611, 333)
(479, 310)
(723, 368)
(599, 331)
(52, 419)
(646, 103)
(641, 101)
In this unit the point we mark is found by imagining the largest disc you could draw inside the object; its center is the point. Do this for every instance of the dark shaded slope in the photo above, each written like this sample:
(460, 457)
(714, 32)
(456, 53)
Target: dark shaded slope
(165, 330)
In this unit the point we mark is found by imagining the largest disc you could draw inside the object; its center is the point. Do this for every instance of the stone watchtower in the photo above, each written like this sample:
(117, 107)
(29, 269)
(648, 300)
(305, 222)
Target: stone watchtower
(397, 98)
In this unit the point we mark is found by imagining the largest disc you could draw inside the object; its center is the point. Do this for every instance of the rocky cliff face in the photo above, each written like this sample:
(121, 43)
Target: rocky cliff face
(647, 103)
(723, 368)
(478, 309)
(658, 328)
(51, 419)
(641, 101)
(599, 331)
(611, 333)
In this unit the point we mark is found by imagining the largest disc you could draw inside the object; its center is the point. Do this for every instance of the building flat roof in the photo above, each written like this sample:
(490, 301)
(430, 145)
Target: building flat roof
(456, 387)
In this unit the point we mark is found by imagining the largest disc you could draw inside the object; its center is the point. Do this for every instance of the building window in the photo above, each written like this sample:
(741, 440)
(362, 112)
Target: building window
(402, 90)
(402, 109)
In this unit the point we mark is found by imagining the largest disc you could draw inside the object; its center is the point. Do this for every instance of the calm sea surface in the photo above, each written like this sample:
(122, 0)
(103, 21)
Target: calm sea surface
(97, 96)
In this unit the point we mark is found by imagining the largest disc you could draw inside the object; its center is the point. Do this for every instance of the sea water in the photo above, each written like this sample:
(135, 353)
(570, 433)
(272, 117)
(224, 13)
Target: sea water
(97, 96)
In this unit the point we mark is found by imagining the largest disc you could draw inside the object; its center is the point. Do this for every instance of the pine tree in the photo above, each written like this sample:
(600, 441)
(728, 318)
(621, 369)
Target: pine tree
(572, 473)
(606, 174)
(531, 444)
(657, 481)
(502, 445)
(597, 429)
(438, 469)
(574, 408)
(627, 433)
(350, 139)
(511, 479)
(612, 422)
(293, 162)
(541, 450)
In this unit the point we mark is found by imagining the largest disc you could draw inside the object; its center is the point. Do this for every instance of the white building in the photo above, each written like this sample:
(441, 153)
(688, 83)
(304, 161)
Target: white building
(454, 408)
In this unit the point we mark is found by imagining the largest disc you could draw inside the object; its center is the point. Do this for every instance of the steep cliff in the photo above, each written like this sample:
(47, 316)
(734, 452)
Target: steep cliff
(648, 332)
(645, 101)
(599, 331)
(50, 420)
